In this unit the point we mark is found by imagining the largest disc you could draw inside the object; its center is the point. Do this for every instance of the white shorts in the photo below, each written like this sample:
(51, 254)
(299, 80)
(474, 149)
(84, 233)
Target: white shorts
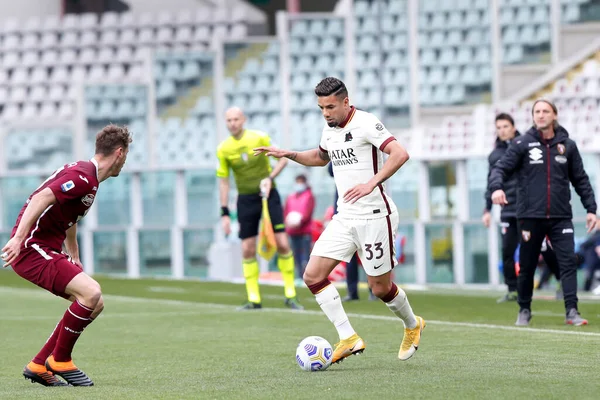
(373, 239)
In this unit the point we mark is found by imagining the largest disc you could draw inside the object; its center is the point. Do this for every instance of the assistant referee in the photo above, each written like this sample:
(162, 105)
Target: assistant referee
(251, 174)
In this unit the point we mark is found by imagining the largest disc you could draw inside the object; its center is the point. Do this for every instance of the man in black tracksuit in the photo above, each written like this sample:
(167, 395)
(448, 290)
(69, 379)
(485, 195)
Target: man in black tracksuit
(507, 133)
(545, 160)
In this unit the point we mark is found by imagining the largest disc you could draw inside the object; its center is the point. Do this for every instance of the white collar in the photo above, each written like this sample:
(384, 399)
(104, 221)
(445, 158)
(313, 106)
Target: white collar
(93, 161)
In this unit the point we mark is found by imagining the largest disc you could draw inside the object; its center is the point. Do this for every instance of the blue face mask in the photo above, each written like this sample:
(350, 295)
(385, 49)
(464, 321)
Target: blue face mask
(299, 187)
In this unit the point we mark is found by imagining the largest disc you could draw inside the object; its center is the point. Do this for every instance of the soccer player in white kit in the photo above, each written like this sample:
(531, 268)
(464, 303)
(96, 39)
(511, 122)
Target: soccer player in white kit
(354, 142)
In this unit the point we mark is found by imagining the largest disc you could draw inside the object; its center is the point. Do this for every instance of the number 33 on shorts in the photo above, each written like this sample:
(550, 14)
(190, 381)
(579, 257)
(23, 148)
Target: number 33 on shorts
(377, 252)
(373, 239)
(377, 247)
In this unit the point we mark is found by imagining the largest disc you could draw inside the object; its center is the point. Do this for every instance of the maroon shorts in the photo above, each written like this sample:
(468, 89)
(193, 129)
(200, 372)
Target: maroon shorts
(46, 268)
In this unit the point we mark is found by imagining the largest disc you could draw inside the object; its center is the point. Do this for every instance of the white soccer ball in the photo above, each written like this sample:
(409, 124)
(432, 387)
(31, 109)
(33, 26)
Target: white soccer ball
(314, 354)
(293, 219)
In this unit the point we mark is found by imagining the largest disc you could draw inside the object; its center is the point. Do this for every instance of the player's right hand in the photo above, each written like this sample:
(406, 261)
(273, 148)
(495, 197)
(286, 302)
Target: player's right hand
(11, 251)
(499, 197)
(486, 219)
(226, 224)
(270, 151)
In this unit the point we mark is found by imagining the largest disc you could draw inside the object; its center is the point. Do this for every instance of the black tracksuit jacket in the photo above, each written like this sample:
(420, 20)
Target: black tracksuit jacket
(544, 170)
(510, 185)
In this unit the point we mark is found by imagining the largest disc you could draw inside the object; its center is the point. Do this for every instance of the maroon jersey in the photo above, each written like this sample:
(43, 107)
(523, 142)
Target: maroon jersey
(74, 186)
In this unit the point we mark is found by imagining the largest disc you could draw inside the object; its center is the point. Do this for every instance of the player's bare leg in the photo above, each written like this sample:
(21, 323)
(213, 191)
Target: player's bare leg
(316, 278)
(396, 300)
(88, 304)
(251, 272)
(285, 263)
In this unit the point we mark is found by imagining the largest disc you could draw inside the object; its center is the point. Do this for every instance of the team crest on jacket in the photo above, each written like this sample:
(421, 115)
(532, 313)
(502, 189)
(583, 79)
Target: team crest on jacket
(88, 199)
(561, 148)
(348, 137)
(526, 235)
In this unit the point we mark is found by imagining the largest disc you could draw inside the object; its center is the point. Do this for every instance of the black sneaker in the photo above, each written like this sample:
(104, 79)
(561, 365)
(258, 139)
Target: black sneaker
(293, 304)
(510, 296)
(249, 306)
(349, 298)
(45, 378)
(523, 318)
(73, 375)
(574, 318)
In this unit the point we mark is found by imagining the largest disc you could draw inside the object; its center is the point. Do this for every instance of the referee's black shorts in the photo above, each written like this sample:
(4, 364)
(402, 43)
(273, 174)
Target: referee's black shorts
(249, 212)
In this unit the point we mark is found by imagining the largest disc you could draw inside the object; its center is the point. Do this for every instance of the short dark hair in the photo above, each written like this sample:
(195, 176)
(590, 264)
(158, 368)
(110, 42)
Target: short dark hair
(331, 85)
(111, 137)
(505, 117)
(302, 178)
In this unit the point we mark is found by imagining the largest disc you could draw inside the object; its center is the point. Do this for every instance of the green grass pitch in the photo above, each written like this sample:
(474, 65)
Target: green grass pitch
(162, 339)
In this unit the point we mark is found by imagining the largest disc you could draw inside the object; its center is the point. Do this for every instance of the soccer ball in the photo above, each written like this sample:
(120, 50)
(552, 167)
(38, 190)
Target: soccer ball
(314, 354)
(293, 219)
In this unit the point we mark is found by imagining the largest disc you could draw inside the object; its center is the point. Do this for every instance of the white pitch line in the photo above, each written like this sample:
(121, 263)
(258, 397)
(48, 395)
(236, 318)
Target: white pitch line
(224, 307)
(112, 315)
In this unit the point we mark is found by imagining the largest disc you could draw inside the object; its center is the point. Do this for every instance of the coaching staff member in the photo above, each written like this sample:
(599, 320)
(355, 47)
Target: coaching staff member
(545, 161)
(506, 135)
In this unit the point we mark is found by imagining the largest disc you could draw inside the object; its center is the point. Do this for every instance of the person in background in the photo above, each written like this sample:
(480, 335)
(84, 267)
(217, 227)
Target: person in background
(298, 212)
(506, 133)
(546, 162)
(254, 178)
(591, 257)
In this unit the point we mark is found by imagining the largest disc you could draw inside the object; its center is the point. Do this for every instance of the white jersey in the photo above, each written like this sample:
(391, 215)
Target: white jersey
(355, 149)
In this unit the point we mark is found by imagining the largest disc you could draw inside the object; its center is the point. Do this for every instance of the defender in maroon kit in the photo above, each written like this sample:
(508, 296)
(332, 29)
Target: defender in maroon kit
(35, 252)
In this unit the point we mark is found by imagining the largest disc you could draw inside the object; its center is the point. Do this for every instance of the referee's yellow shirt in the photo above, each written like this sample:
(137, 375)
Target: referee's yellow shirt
(237, 155)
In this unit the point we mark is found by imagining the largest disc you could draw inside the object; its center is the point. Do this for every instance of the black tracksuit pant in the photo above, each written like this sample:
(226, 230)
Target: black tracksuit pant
(561, 235)
(510, 240)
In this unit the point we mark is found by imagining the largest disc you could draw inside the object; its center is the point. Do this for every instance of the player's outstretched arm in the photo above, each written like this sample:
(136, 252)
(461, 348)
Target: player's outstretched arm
(310, 158)
(38, 204)
(397, 157)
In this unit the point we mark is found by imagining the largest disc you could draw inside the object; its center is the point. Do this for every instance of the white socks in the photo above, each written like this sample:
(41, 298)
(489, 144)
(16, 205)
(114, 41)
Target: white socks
(402, 309)
(331, 304)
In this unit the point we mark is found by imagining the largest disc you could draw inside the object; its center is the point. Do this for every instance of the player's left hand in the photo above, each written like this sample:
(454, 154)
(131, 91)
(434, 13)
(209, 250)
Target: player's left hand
(265, 187)
(11, 251)
(76, 261)
(357, 192)
(590, 222)
(270, 151)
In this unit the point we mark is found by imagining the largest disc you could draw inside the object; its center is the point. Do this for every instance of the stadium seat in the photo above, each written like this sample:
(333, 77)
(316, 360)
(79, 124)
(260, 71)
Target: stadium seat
(165, 90)
(30, 59)
(69, 40)
(68, 57)
(29, 111)
(3, 80)
(97, 73)
(30, 42)
(50, 23)
(37, 94)
(88, 56)
(18, 94)
(48, 111)
(49, 40)
(19, 76)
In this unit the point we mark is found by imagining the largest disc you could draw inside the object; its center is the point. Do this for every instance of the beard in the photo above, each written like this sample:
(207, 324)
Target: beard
(332, 124)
